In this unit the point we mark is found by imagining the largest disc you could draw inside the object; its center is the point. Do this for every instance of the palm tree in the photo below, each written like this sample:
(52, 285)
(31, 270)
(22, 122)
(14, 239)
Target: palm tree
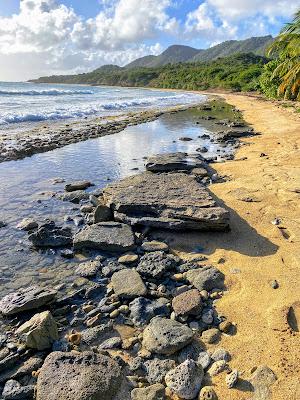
(287, 48)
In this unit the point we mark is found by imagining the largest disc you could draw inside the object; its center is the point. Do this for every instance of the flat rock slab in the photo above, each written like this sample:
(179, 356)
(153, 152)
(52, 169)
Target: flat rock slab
(78, 376)
(128, 283)
(206, 278)
(165, 336)
(174, 162)
(106, 236)
(26, 299)
(172, 201)
(79, 185)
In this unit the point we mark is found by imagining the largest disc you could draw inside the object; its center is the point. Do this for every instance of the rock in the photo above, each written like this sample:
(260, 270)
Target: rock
(2, 224)
(191, 351)
(79, 185)
(174, 162)
(86, 208)
(173, 201)
(106, 236)
(102, 214)
(128, 259)
(217, 367)
(13, 390)
(155, 264)
(88, 269)
(27, 224)
(232, 378)
(128, 283)
(206, 278)
(185, 380)
(165, 336)
(263, 376)
(78, 376)
(154, 246)
(153, 392)
(67, 253)
(27, 299)
(207, 393)
(111, 343)
(32, 364)
(220, 354)
(225, 326)
(211, 335)
(157, 369)
(185, 139)
(74, 197)
(39, 332)
(142, 310)
(49, 235)
(204, 359)
(187, 303)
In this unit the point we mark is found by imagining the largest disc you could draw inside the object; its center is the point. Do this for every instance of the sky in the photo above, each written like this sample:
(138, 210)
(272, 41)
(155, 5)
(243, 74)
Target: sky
(46, 37)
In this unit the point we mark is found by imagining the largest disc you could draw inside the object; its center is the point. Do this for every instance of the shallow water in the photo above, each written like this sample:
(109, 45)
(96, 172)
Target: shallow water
(110, 158)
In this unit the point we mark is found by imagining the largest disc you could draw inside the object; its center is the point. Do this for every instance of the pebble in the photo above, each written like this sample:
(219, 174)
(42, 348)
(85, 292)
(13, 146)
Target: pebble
(225, 326)
(204, 359)
(217, 367)
(207, 393)
(274, 284)
(128, 259)
(231, 379)
(211, 336)
(221, 354)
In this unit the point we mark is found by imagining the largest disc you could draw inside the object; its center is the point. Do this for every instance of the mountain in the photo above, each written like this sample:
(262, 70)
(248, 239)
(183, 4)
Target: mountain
(256, 45)
(172, 55)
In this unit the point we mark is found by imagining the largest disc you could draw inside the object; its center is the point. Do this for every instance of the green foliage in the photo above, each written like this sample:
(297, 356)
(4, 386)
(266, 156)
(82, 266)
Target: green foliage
(238, 72)
(269, 85)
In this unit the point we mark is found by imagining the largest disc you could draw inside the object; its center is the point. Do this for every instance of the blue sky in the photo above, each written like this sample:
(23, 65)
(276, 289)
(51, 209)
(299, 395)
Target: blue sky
(41, 37)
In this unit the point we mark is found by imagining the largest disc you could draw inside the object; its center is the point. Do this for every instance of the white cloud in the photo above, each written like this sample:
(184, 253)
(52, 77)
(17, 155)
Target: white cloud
(49, 37)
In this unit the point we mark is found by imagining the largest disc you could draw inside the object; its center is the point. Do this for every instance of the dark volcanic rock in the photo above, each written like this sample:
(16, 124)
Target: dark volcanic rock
(142, 310)
(155, 264)
(49, 235)
(106, 236)
(102, 213)
(156, 369)
(187, 303)
(174, 162)
(206, 278)
(172, 201)
(74, 197)
(165, 336)
(79, 185)
(78, 376)
(13, 390)
(26, 299)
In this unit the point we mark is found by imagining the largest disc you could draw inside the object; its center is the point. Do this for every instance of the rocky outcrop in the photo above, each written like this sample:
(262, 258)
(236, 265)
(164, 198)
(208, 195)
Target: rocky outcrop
(165, 336)
(173, 201)
(105, 236)
(26, 299)
(78, 376)
(49, 235)
(174, 162)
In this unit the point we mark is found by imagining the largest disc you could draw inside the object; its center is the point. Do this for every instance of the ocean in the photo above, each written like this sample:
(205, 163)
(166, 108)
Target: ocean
(23, 104)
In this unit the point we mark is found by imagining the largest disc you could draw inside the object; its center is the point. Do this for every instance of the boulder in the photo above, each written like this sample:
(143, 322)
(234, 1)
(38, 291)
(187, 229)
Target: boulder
(49, 235)
(79, 185)
(78, 376)
(206, 278)
(153, 392)
(142, 310)
(39, 332)
(27, 299)
(105, 236)
(174, 162)
(185, 380)
(128, 283)
(165, 336)
(155, 264)
(102, 214)
(173, 201)
(187, 303)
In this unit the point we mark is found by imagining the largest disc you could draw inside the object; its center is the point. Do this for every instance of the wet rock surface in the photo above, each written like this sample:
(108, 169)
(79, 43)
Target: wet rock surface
(174, 162)
(172, 201)
(50, 235)
(26, 299)
(106, 236)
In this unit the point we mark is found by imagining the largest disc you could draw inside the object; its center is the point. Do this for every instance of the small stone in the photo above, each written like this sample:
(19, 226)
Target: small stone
(217, 367)
(39, 332)
(154, 246)
(2, 224)
(194, 325)
(157, 369)
(13, 390)
(187, 303)
(156, 264)
(86, 209)
(211, 335)
(153, 392)
(207, 393)
(205, 278)
(111, 343)
(204, 359)
(185, 380)
(27, 224)
(114, 314)
(274, 284)
(124, 309)
(102, 213)
(220, 354)
(67, 253)
(231, 379)
(79, 185)
(128, 259)
(94, 321)
(128, 283)
(88, 269)
(225, 326)
(143, 309)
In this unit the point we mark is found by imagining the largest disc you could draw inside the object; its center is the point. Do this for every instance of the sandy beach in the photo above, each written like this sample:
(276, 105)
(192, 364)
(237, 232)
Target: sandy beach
(263, 186)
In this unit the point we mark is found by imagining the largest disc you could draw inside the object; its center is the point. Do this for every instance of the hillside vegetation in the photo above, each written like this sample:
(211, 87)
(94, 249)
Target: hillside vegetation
(238, 72)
